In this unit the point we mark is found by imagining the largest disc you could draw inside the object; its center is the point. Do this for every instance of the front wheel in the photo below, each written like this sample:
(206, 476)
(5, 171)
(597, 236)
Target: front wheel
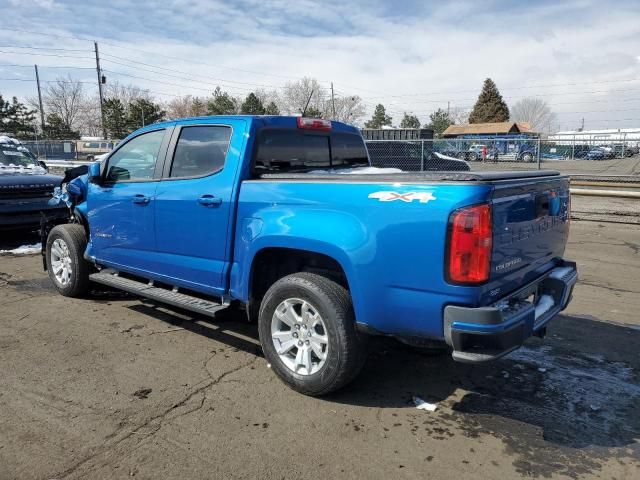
(67, 268)
(308, 335)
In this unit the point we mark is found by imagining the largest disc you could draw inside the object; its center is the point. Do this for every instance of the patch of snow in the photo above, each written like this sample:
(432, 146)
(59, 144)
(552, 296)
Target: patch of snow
(23, 250)
(12, 141)
(357, 171)
(422, 405)
(446, 157)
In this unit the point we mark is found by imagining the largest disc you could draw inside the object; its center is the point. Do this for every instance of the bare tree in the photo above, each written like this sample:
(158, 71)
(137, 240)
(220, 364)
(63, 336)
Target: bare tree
(459, 115)
(89, 120)
(65, 98)
(349, 109)
(186, 106)
(535, 112)
(295, 96)
(126, 93)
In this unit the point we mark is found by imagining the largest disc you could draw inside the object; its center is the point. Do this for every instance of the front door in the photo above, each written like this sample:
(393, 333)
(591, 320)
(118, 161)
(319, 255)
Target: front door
(121, 207)
(194, 206)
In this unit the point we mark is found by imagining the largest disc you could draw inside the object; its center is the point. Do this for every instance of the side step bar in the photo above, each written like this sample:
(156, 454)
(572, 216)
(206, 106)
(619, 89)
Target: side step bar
(170, 297)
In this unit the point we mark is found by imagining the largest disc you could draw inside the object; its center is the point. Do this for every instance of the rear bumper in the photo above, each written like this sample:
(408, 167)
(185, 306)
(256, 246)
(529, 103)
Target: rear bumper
(485, 333)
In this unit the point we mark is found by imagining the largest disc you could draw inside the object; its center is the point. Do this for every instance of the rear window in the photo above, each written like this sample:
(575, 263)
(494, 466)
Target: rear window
(282, 151)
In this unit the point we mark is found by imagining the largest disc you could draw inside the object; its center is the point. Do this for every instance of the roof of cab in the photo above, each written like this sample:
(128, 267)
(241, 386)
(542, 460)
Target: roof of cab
(266, 120)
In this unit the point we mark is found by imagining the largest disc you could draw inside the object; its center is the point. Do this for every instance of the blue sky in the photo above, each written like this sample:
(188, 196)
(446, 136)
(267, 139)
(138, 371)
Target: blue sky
(582, 57)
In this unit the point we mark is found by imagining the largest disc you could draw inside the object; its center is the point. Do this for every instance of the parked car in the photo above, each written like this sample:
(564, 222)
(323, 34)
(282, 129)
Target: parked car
(26, 187)
(596, 154)
(206, 212)
(475, 152)
(90, 149)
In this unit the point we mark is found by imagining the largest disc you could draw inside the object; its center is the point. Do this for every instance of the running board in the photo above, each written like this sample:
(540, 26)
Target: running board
(147, 290)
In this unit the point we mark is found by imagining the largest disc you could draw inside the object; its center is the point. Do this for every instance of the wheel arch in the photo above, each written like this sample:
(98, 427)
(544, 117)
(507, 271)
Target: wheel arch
(270, 263)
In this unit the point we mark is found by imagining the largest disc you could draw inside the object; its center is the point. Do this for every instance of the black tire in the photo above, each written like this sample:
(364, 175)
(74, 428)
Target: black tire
(75, 239)
(473, 157)
(527, 158)
(346, 348)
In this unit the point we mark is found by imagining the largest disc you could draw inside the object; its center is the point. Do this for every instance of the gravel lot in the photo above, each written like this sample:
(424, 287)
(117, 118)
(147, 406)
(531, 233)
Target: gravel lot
(114, 387)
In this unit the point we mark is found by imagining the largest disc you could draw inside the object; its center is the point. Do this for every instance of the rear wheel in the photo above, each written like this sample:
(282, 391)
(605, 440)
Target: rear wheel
(66, 266)
(527, 157)
(308, 335)
(473, 156)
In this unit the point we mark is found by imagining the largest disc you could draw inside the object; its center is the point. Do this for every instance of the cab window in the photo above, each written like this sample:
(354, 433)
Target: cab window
(136, 160)
(200, 151)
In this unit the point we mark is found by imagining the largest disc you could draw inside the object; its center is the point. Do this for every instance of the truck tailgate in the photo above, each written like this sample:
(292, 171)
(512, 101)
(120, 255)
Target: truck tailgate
(530, 230)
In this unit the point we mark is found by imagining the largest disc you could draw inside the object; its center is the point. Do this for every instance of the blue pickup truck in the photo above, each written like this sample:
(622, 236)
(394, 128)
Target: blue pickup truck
(282, 216)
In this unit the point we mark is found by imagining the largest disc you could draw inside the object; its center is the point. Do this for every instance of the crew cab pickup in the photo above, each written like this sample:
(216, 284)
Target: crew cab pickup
(282, 216)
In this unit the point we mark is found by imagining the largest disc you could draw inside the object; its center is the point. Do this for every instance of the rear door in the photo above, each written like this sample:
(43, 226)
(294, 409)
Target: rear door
(121, 208)
(194, 205)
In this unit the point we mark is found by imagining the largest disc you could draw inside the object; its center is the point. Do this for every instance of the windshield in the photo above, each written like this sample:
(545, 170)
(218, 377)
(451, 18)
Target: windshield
(11, 156)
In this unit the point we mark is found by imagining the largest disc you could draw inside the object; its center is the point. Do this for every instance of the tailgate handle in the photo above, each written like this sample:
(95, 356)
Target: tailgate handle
(542, 205)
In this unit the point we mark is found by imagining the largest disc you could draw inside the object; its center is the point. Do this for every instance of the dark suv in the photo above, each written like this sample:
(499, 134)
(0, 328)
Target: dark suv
(25, 187)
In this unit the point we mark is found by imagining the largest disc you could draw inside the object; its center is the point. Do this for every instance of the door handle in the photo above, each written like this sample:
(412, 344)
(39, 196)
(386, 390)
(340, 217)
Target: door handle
(141, 199)
(209, 200)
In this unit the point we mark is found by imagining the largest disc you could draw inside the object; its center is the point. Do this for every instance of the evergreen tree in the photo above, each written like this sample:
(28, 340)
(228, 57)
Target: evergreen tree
(271, 109)
(56, 129)
(198, 106)
(409, 121)
(379, 118)
(143, 112)
(16, 119)
(115, 118)
(439, 121)
(312, 112)
(252, 105)
(490, 106)
(221, 103)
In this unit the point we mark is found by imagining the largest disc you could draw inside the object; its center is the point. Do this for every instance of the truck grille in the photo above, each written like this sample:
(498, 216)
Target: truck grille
(25, 191)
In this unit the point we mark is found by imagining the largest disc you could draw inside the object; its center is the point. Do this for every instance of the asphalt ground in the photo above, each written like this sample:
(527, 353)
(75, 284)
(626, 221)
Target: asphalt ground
(113, 387)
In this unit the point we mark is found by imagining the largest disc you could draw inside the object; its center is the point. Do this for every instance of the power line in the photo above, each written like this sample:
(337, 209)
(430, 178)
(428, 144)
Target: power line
(158, 81)
(46, 55)
(46, 48)
(69, 67)
(43, 81)
(181, 77)
(146, 52)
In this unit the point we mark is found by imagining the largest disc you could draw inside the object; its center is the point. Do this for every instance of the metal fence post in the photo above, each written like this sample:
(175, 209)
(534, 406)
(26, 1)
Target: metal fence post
(539, 144)
(422, 156)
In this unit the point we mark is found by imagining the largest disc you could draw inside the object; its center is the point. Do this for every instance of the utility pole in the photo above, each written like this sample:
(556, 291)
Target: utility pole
(448, 109)
(104, 130)
(333, 102)
(40, 99)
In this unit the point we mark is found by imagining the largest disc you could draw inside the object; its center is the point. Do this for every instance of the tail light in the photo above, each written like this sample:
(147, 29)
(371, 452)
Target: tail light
(470, 239)
(314, 123)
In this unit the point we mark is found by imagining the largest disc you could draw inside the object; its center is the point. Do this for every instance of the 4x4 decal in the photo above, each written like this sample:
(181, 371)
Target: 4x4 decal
(422, 197)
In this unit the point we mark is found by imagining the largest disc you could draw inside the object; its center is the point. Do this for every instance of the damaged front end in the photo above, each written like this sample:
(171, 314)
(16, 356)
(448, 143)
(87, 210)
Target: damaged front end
(71, 192)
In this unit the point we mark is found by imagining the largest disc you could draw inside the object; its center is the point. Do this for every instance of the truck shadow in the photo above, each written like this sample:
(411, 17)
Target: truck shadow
(548, 401)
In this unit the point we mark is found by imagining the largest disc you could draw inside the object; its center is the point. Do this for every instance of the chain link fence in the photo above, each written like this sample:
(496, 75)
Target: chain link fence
(587, 157)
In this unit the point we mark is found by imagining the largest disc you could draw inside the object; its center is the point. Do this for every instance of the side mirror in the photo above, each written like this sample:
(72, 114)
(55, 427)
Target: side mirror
(94, 172)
